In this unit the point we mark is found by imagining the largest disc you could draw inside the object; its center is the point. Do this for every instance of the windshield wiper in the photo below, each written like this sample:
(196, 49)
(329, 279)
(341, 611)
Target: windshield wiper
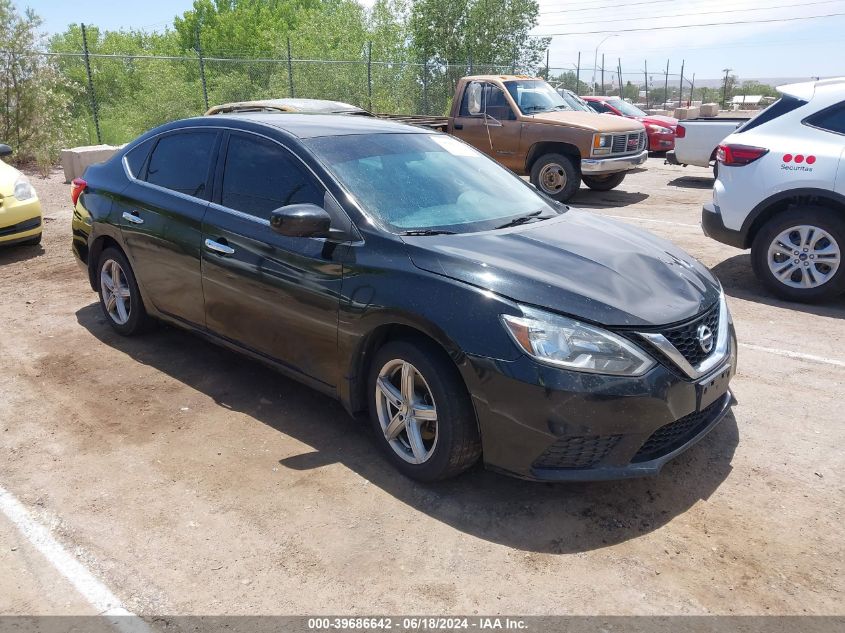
(522, 219)
(428, 232)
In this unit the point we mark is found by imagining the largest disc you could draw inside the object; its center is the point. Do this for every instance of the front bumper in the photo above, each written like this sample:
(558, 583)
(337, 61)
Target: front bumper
(543, 423)
(612, 165)
(714, 227)
(19, 221)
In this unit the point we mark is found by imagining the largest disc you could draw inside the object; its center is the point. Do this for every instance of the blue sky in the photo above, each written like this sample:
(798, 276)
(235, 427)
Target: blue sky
(802, 48)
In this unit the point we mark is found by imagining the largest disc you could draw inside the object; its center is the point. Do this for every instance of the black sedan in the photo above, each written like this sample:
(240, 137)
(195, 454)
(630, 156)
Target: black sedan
(417, 281)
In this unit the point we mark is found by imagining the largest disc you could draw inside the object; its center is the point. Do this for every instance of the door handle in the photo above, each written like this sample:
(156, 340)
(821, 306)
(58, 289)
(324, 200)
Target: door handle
(459, 126)
(132, 217)
(217, 247)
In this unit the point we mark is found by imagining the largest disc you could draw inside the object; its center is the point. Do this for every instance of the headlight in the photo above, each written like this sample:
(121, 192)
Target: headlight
(602, 144)
(23, 190)
(563, 342)
(659, 129)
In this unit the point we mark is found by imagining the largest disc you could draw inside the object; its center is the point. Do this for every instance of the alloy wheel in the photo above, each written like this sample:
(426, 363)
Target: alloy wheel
(804, 256)
(406, 411)
(114, 290)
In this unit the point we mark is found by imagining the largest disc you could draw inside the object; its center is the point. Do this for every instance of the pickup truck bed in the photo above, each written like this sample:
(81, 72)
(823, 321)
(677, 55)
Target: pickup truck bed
(439, 123)
(696, 140)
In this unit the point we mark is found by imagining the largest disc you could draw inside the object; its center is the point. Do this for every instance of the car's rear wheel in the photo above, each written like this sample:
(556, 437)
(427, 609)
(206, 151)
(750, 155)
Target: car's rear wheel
(798, 254)
(556, 176)
(120, 298)
(604, 183)
(421, 412)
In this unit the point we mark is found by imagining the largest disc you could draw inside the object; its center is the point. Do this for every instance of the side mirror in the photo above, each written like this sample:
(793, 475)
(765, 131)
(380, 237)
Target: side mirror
(301, 220)
(5, 150)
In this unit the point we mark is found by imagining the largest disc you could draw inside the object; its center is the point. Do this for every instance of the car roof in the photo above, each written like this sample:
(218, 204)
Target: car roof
(315, 125)
(807, 89)
(286, 105)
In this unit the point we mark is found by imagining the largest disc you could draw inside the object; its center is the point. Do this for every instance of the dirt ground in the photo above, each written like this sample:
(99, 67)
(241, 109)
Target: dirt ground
(192, 481)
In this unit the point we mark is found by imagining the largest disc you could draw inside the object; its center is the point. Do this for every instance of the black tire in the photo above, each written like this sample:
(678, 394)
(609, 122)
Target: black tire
(137, 319)
(556, 176)
(456, 444)
(819, 217)
(716, 170)
(604, 183)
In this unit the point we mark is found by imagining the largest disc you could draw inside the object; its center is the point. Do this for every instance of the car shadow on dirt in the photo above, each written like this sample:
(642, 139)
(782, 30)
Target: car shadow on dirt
(18, 253)
(587, 198)
(692, 182)
(739, 281)
(530, 516)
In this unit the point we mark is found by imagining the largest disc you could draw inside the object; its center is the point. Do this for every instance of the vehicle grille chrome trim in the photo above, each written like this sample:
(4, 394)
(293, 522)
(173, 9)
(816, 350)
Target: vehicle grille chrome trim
(720, 352)
(627, 143)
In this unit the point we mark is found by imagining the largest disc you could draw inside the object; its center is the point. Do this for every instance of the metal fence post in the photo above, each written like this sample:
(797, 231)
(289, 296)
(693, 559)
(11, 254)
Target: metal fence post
(645, 76)
(94, 108)
(290, 72)
(425, 86)
(681, 96)
(370, 75)
(692, 89)
(666, 86)
(578, 75)
(619, 66)
(202, 66)
(469, 65)
(547, 64)
(602, 73)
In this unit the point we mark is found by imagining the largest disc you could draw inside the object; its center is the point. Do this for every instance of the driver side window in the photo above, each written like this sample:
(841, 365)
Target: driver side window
(483, 97)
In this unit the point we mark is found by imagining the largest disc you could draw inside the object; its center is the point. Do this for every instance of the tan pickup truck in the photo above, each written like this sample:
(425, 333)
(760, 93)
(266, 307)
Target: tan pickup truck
(527, 126)
(523, 123)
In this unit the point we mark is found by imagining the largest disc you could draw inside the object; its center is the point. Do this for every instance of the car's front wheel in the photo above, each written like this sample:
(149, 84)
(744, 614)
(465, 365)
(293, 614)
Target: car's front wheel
(798, 254)
(120, 298)
(604, 183)
(421, 412)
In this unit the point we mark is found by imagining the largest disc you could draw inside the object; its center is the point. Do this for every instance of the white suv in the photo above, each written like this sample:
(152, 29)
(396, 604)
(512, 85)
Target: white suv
(781, 191)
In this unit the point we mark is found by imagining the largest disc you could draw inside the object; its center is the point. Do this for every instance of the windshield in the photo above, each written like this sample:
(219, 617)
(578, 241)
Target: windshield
(574, 101)
(428, 182)
(626, 108)
(533, 96)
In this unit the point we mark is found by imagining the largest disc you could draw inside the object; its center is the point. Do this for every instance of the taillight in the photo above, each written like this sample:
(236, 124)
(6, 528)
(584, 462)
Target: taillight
(76, 188)
(680, 131)
(738, 155)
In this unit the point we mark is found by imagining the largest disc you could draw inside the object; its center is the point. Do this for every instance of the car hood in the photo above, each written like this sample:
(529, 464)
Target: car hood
(665, 121)
(579, 264)
(587, 121)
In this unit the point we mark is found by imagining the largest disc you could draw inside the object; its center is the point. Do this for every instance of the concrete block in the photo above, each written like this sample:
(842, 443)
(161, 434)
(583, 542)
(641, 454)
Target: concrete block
(686, 113)
(710, 109)
(76, 159)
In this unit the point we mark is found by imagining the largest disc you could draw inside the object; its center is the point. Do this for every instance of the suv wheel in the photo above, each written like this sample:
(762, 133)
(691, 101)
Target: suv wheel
(421, 412)
(604, 183)
(798, 254)
(555, 176)
(120, 298)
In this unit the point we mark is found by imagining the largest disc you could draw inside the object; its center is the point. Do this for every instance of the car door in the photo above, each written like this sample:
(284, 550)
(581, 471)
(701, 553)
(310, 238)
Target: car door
(504, 128)
(161, 215)
(274, 295)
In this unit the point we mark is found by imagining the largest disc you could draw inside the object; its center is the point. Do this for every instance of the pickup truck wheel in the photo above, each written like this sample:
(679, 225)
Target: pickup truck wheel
(604, 183)
(798, 254)
(555, 176)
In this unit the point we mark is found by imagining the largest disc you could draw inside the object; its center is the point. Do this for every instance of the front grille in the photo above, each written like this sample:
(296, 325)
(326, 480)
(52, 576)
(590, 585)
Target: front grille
(26, 225)
(669, 437)
(628, 143)
(577, 452)
(685, 337)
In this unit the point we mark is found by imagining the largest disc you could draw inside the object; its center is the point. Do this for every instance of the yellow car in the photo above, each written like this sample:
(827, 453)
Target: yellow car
(20, 209)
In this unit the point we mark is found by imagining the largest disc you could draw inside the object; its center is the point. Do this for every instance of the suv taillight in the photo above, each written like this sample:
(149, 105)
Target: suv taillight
(738, 155)
(76, 188)
(680, 131)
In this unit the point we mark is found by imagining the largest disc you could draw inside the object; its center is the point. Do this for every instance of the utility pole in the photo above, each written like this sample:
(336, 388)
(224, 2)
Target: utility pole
(619, 68)
(666, 86)
(602, 72)
(681, 86)
(645, 76)
(725, 89)
(578, 75)
(547, 64)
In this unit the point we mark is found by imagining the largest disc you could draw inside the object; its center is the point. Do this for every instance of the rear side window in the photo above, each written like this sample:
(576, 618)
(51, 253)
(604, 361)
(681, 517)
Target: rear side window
(598, 106)
(136, 158)
(780, 107)
(181, 162)
(831, 119)
(260, 176)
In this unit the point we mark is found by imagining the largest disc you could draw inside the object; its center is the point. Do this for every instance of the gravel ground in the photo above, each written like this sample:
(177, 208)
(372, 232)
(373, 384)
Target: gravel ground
(192, 481)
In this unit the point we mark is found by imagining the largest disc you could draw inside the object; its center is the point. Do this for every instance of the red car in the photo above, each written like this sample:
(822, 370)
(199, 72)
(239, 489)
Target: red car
(660, 129)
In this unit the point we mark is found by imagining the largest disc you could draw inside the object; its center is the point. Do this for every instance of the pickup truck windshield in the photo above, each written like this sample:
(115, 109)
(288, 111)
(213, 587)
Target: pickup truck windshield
(626, 108)
(418, 183)
(533, 96)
